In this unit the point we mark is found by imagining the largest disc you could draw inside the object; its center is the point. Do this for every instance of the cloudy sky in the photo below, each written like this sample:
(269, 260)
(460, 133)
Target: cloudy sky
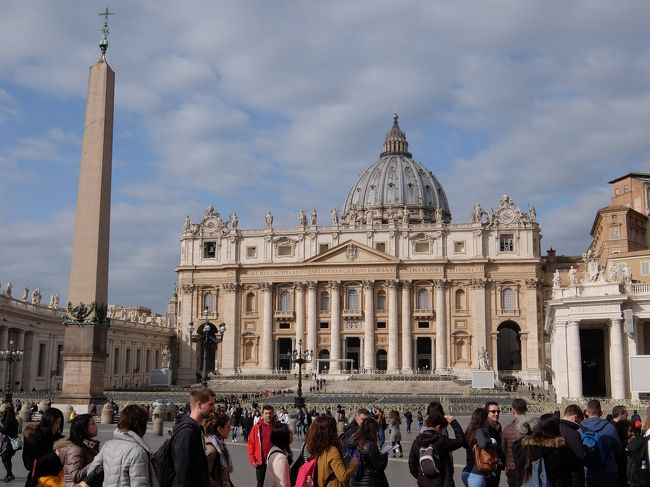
(257, 105)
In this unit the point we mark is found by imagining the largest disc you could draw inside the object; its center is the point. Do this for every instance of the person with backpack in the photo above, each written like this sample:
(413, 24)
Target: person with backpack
(638, 457)
(220, 465)
(570, 431)
(545, 458)
(602, 448)
(188, 449)
(372, 462)
(636, 422)
(326, 465)
(278, 472)
(429, 457)
(125, 458)
(480, 446)
(510, 435)
(259, 442)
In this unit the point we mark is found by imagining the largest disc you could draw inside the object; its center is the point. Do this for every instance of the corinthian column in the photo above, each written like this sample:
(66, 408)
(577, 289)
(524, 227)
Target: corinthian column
(441, 328)
(574, 358)
(368, 326)
(335, 310)
(312, 316)
(300, 314)
(616, 366)
(532, 350)
(230, 345)
(407, 340)
(393, 329)
(267, 327)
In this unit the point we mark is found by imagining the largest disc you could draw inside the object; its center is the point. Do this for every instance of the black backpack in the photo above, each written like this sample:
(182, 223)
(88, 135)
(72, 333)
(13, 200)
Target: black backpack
(162, 461)
(637, 454)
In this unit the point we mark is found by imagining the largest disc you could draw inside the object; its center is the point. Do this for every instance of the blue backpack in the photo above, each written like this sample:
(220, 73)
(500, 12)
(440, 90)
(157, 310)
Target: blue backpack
(595, 448)
(538, 477)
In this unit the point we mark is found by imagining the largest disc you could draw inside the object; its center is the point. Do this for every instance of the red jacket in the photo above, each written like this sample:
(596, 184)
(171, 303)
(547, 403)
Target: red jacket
(259, 443)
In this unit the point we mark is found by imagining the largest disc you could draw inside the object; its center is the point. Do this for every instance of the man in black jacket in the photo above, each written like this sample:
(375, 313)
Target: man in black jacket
(346, 437)
(570, 431)
(495, 431)
(190, 462)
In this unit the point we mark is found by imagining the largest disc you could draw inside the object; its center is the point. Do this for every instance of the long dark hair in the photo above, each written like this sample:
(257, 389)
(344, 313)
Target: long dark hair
(546, 428)
(479, 420)
(44, 429)
(281, 437)
(322, 435)
(79, 429)
(9, 415)
(367, 432)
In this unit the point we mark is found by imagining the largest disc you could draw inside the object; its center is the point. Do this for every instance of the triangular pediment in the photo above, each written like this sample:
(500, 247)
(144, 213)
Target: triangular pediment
(352, 252)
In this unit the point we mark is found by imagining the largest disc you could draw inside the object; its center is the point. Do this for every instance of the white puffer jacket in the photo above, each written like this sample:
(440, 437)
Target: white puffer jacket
(126, 461)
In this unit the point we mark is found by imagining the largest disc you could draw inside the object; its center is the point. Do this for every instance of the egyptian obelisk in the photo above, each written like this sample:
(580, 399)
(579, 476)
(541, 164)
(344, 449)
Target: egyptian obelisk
(84, 355)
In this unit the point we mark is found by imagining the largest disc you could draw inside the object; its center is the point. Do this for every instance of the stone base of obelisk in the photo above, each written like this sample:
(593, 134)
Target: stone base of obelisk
(83, 381)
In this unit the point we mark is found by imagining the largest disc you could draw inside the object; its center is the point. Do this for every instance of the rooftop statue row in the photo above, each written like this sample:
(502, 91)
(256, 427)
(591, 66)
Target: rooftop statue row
(35, 298)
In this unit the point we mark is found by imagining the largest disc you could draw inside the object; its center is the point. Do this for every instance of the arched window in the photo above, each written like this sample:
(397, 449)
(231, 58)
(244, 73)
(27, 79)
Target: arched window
(250, 302)
(460, 299)
(324, 301)
(208, 302)
(353, 299)
(381, 300)
(422, 299)
(508, 299)
(285, 301)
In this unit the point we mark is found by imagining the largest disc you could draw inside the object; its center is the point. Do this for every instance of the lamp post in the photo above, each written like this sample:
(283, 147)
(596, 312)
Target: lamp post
(299, 357)
(209, 338)
(10, 355)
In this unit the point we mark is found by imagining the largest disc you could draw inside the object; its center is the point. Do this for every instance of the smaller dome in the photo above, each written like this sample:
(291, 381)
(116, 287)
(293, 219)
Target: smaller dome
(396, 184)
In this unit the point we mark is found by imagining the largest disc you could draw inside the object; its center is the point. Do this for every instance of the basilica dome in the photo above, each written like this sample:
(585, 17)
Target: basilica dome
(396, 184)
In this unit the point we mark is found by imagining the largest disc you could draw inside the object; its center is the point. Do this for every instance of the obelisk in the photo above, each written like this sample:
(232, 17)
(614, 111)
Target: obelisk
(84, 356)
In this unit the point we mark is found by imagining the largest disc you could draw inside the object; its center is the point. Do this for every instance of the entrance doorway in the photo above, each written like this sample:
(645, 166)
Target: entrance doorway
(323, 366)
(381, 359)
(423, 354)
(352, 352)
(284, 354)
(592, 349)
(509, 346)
(209, 350)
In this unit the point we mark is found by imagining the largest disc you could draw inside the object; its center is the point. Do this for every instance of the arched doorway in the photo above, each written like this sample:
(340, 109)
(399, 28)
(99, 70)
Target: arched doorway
(323, 366)
(508, 346)
(210, 350)
(381, 359)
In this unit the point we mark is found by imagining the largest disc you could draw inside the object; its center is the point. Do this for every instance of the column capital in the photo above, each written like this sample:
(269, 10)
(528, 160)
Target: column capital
(392, 283)
(406, 284)
(532, 283)
(265, 286)
(478, 282)
(299, 286)
(312, 285)
(440, 283)
(368, 285)
(230, 287)
(572, 323)
(616, 322)
(334, 285)
(188, 288)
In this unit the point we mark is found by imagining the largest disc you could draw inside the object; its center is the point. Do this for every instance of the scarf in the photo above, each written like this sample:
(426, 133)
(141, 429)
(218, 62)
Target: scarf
(224, 456)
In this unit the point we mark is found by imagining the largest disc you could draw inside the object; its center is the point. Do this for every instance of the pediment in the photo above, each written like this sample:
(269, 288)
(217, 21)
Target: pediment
(352, 252)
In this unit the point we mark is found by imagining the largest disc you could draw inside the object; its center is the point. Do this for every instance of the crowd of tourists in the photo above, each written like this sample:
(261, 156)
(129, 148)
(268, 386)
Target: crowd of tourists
(579, 449)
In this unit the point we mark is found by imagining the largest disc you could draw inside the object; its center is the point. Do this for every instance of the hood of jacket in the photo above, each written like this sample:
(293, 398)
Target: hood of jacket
(570, 424)
(594, 424)
(558, 442)
(131, 437)
(428, 436)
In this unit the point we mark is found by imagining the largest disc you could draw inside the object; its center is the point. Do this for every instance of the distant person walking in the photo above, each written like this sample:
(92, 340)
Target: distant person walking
(10, 430)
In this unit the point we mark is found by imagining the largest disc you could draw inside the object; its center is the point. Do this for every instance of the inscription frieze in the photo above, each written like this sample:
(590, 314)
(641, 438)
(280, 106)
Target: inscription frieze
(317, 271)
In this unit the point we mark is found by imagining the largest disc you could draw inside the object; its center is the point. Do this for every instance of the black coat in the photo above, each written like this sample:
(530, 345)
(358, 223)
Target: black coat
(371, 469)
(444, 446)
(190, 462)
(559, 459)
(40, 447)
(570, 432)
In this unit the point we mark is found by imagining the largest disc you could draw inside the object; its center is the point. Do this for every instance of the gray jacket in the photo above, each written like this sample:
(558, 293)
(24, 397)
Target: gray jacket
(126, 461)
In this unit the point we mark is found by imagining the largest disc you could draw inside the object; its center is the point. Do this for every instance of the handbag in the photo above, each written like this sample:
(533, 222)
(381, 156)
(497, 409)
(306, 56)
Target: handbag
(297, 463)
(51, 480)
(16, 443)
(94, 478)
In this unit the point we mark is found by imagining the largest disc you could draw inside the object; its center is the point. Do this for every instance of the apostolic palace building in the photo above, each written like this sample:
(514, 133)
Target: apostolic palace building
(386, 285)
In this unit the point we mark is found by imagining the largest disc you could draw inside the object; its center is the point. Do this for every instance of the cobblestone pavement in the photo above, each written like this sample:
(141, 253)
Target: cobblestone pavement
(244, 476)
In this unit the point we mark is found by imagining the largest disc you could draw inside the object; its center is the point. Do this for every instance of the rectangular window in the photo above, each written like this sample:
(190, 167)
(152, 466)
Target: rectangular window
(645, 268)
(506, 243)
(423, 324)
(459, 247)
(381, 246)
(116, 362)
(324, 325)
(284, 250)
(127, 364)
(59, 360)
(422, 247)
(381, 324)
(285, 326)
(209, 250)
(148, 360)
(616, 232)
(251, 252)
(41, 359)
(137, 361)
(323, 248)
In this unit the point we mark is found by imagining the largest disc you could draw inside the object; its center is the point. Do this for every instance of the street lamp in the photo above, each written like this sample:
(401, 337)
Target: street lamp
(208, 337)
(10, 355)
(299, 357)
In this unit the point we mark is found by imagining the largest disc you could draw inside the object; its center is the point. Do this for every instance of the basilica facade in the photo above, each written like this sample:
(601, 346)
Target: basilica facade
(387, 285)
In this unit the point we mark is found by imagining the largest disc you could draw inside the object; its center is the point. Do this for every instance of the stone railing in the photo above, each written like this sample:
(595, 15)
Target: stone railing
(639, 288)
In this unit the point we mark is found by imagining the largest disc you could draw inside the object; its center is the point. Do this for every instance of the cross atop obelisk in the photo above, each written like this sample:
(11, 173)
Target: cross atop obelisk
(86, 322)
